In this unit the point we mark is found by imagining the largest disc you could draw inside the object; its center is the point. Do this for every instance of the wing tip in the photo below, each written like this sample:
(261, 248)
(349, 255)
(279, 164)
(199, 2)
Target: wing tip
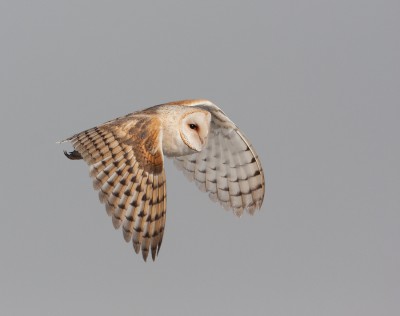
(73, 155)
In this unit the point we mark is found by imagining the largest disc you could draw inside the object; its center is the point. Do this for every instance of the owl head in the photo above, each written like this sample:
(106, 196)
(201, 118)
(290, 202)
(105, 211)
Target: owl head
(194, 127)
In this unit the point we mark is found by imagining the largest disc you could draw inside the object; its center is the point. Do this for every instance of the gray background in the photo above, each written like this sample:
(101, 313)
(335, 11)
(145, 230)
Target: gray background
(314, 85)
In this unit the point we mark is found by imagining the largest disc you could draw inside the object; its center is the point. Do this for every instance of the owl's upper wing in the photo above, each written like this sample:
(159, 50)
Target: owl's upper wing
(228, 168)
(126, 164)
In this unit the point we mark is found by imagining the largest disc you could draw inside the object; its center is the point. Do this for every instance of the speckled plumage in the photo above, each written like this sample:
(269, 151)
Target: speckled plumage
(126, 158)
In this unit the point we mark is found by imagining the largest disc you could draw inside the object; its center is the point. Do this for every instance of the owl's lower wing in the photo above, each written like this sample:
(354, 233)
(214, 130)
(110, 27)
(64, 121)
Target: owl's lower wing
(228, 168)
(126, 164)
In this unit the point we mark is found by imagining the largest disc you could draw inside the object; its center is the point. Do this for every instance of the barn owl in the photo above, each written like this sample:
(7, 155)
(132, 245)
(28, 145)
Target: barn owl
(126, 160)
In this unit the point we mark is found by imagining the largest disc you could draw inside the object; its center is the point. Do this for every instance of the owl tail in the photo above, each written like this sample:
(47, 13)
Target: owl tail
(73, 155)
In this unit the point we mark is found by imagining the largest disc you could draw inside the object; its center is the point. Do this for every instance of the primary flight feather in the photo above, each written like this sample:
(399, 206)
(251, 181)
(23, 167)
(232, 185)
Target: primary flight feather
(126, 159)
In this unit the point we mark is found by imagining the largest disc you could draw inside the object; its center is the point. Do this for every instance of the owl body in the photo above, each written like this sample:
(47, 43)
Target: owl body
(126, 160)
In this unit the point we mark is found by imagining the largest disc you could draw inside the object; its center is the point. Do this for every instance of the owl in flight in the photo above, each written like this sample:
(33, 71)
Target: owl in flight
(126, 160)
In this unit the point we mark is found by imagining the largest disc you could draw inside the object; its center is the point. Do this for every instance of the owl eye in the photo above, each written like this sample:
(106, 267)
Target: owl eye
(193, 126)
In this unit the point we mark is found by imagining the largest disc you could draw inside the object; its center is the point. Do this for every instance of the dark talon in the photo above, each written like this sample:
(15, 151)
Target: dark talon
(73, 155)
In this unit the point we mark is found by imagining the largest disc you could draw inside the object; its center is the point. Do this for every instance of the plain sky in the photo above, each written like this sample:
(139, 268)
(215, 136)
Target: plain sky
(315, 85)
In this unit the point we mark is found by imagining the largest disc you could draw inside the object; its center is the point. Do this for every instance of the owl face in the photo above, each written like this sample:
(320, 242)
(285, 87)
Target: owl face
(194, 128)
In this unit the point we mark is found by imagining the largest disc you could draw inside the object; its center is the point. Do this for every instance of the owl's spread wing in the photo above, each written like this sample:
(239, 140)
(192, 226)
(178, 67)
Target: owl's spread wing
(126, 164)
(228, 168)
